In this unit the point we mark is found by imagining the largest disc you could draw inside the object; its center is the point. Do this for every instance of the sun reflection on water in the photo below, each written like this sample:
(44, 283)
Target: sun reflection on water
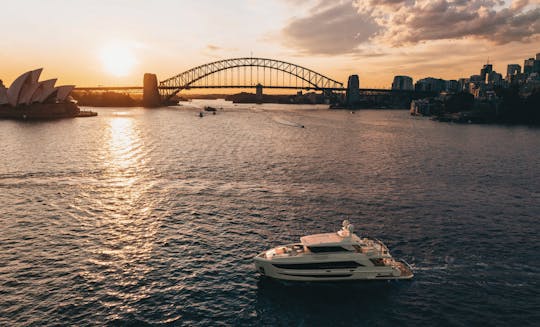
(123, 142)
(127, 228)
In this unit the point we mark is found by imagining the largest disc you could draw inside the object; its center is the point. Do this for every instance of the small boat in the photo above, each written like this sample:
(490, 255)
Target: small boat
(208, 108)
(331, 257)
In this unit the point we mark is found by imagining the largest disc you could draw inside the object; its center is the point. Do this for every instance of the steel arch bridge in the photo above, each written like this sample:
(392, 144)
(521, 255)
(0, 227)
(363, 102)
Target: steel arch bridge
(247, 73)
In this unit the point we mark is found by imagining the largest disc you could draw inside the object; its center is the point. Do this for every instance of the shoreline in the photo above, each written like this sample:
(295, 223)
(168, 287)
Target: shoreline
(44, 111)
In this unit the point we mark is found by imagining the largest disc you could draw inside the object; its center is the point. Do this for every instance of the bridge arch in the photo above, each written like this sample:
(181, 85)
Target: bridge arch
(171, 86)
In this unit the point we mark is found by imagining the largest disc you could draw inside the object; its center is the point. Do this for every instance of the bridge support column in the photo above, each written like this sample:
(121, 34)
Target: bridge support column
(151, 97)
(259, 93)
(353, 91)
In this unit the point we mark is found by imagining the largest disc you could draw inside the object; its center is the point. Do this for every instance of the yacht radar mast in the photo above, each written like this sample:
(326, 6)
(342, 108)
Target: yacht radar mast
(347, 229)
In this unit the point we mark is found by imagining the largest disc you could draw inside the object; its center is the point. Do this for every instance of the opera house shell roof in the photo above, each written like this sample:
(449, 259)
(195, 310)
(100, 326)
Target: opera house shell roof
(27, 89)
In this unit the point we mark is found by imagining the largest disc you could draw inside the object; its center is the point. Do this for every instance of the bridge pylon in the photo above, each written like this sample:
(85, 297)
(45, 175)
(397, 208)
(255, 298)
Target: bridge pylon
(353, 91)
(151, 97)
(259, 92)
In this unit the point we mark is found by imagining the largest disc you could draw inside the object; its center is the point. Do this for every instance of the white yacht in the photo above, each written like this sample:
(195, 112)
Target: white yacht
(331, 257)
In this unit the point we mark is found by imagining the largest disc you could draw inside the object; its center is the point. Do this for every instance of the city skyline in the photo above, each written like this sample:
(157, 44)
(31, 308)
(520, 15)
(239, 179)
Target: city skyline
(115, 43)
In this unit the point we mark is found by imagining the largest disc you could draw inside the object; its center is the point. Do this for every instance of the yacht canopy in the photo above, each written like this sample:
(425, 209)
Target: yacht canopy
(328, 239)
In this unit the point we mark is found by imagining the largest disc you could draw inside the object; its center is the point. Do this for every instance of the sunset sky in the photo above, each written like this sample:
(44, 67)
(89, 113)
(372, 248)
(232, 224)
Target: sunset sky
(114, 42)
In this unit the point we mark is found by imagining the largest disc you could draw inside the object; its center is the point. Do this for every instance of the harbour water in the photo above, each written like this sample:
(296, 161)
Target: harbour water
(153, 216)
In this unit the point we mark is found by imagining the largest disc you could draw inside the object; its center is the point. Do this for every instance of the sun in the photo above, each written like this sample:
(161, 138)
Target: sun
(118, 59)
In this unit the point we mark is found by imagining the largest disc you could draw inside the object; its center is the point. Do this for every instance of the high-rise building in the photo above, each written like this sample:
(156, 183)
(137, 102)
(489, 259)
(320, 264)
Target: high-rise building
(495, 79)
(513, 74)
(528, 66)
(430, 84)
(402, 83)
(512, 70)
(484, 72)
(463, 84)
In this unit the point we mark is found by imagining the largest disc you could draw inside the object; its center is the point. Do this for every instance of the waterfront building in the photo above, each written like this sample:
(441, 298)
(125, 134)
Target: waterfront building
(420, 107)
(402, 83)
(430, 84)
(427, 107)
(27, 89)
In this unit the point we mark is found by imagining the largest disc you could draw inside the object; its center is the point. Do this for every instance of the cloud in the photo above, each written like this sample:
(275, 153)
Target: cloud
(216, 51)
(409, 22)
(329, 30)
(352, 26)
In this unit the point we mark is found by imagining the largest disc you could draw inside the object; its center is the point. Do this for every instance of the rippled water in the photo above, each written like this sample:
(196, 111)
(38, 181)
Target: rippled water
(153, 216)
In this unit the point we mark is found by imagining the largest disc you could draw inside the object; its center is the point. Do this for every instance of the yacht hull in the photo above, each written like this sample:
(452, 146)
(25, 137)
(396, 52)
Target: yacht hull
(268, 268)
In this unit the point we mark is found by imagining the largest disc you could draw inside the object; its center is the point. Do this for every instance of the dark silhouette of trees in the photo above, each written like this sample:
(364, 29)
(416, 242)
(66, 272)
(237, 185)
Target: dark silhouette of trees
(105, 99)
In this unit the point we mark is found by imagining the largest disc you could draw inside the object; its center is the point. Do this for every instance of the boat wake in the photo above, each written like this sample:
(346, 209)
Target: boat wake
(415, 268)
(282, 121)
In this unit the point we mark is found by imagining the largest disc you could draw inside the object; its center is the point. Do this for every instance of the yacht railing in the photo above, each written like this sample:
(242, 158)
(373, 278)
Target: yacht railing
(383, 247)
(406, 264)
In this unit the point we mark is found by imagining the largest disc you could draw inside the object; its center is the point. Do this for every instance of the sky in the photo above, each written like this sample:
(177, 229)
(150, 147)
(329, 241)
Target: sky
(114, 42)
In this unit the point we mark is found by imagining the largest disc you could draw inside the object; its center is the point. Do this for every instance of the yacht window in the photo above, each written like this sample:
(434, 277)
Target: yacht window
(319, 265)
(358, 248)
(377, 261)
(323, 249)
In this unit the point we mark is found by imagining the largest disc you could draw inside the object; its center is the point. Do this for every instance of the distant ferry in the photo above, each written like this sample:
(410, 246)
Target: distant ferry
(331, 257)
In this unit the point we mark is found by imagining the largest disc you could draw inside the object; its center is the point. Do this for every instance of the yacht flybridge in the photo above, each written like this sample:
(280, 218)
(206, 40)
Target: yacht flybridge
(330, 257)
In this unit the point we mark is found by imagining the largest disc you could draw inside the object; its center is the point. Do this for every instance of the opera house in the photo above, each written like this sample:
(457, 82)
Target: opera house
(29, 98)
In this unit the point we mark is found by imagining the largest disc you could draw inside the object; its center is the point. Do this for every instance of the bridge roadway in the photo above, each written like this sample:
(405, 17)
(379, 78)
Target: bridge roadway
(140, 88)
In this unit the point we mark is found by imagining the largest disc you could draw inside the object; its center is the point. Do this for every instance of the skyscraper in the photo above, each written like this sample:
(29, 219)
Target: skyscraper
(513, 69)
(528, 66)
(484, 72)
